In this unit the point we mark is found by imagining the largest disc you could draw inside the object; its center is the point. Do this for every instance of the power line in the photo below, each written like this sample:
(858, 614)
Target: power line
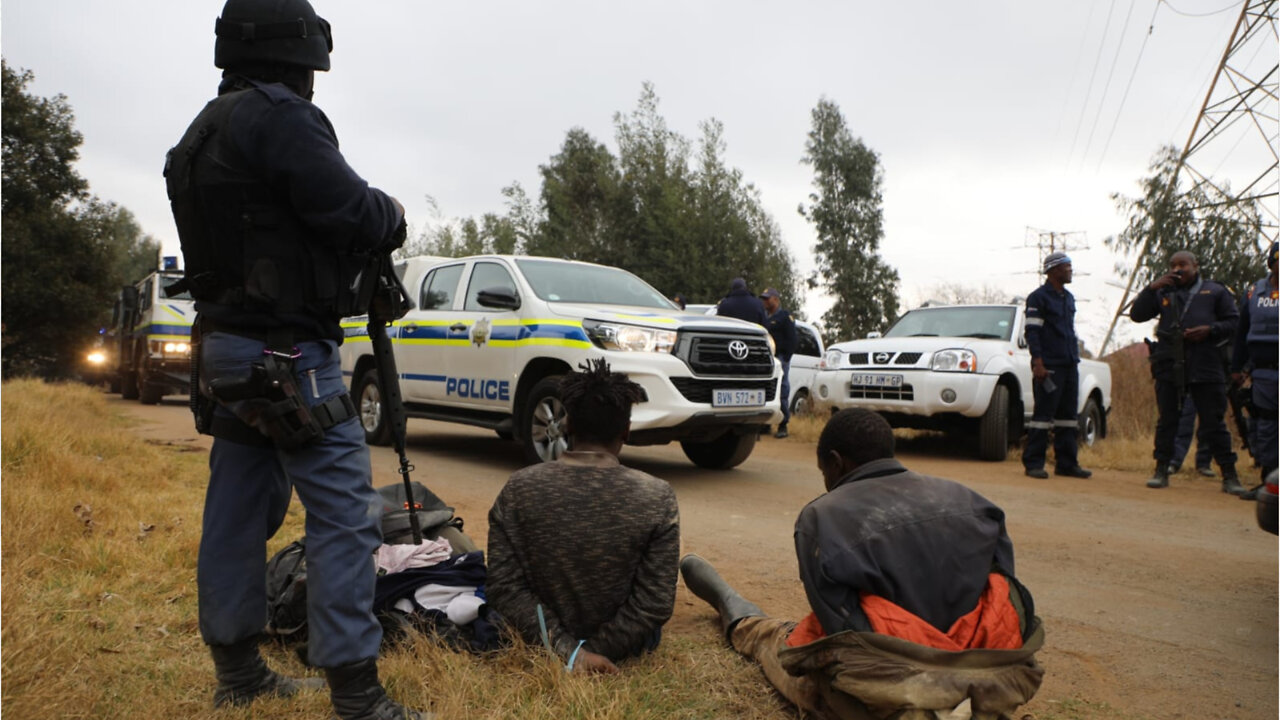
(1187, 14)
(1075, 71)
(1110, 74)
(1092, 76)
(1151, 26)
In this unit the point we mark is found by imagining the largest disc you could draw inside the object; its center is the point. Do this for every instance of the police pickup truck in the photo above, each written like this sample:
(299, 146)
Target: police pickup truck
(957, 368)
(490, 336)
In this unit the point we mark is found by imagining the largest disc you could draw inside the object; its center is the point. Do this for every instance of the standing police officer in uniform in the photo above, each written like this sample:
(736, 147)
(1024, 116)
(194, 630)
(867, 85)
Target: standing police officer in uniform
(1055, 356)
(1198, 316)
(1257, 346)
(782, 327)
(280, 238)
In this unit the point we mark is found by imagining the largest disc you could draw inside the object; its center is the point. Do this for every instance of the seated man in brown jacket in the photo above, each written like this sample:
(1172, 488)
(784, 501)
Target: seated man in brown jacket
(583, 551)
(910, 579)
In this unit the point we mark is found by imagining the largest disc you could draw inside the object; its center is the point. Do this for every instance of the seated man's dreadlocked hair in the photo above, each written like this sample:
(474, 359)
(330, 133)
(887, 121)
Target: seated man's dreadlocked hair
(598, 401)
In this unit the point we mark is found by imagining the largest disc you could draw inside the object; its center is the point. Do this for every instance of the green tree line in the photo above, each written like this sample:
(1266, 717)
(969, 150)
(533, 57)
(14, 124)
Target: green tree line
(65, 253)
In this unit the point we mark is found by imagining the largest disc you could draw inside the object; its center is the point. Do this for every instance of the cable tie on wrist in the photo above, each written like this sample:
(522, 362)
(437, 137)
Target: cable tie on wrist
(542, 625)
(574, 656)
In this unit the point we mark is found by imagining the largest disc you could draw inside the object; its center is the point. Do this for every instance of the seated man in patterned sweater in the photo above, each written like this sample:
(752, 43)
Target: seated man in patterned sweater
(583, 551)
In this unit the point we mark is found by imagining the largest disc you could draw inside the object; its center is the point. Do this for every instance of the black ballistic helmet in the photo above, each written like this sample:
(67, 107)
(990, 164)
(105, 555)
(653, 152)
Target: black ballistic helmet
(258, 32)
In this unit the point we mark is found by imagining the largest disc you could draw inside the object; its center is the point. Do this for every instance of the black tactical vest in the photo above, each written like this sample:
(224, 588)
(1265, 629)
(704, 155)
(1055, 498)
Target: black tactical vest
(243, 245)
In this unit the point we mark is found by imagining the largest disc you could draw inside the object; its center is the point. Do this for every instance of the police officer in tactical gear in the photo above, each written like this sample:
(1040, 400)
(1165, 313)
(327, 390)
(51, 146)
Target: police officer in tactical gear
(1055, 360)
(1256, 349)
(1197, 316)
(279, 236)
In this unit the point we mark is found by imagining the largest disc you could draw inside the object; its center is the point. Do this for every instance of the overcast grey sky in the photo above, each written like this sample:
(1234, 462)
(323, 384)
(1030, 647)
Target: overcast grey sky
(989, 117)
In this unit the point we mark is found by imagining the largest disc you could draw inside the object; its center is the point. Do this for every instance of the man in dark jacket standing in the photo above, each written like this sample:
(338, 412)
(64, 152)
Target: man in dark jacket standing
(1197, 317)
(742, 304)
(1055, 357)
(1257, 345)
(275, 228)
(782, 328)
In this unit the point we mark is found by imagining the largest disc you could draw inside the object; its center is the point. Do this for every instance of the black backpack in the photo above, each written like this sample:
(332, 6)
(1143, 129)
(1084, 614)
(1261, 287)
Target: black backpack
(431, 510)
(287, 593)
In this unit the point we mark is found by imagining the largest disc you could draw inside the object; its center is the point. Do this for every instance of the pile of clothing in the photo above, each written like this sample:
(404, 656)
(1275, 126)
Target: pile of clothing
(430, 588)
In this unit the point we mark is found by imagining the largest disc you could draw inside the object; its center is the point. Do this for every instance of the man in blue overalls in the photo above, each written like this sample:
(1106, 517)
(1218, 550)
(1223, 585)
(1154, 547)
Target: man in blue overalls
(280, 237)
(1055, 357)
(1257, 346)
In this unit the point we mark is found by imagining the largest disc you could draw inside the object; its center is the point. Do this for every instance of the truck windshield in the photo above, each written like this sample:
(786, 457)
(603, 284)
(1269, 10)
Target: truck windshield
(995, 323)
(594, 284)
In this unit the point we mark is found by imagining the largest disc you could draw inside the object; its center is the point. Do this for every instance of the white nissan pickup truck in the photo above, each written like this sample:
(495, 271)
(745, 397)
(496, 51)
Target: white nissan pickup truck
(956, 368)
(490, 336)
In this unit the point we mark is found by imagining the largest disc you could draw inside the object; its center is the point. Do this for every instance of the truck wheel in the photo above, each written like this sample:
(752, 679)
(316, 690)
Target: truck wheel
(993, 427)
(368, 397)
(148, 393)
(800, 403)
(1090, 423)
(128, 386)
(543, 422)
(727, 451)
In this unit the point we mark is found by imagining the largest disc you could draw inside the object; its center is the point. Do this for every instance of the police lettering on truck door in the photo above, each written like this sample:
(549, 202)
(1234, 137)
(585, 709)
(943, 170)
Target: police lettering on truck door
(481, 360)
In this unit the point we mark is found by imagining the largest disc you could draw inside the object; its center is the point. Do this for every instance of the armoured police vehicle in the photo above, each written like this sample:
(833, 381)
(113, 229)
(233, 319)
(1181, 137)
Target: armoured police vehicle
(491, 336)
(962, 368)
(151, 336)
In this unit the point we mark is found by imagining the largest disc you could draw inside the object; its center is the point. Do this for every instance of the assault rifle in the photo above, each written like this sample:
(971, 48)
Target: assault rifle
(1172, 343)
(390, 302)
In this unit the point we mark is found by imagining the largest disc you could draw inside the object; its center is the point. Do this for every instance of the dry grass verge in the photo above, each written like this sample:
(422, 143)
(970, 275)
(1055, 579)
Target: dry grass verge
(100, 532)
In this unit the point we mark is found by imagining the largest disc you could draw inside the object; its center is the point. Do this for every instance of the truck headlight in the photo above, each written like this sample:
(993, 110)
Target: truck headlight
(954, 361)
(178, 348)
(831, 360)
(630, 338)
(97, 357)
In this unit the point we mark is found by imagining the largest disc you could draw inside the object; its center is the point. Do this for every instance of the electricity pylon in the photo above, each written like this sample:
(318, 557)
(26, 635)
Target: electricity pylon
(1235, 96)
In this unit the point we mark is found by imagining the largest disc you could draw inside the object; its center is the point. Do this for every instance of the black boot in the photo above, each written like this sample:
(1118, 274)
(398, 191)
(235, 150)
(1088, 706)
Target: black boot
(358, 695)
(1160, 479)
(1231, 482)
(243, 676)
(703, 580)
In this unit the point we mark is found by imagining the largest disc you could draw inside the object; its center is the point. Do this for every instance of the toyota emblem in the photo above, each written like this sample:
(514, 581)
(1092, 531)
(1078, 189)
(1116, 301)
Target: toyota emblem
(881, 358)
(738, 350)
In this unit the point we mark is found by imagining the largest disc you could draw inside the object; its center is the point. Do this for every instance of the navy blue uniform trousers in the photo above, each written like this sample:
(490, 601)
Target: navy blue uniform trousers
(249, 491)
(1055, 409)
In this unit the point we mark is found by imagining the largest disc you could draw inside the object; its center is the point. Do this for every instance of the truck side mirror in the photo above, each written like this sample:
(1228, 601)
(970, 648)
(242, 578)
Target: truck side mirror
(873, 334)
(499, 298)
(129, 298)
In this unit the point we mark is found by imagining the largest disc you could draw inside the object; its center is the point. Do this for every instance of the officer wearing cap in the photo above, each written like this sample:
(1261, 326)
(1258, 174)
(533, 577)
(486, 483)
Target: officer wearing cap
(1055, 355)
(1197, 316)
(782, 327)
(278, 232)
(1256, 349)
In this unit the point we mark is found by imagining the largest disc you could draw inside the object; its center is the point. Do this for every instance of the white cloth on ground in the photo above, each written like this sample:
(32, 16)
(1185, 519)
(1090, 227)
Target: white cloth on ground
(394, 558)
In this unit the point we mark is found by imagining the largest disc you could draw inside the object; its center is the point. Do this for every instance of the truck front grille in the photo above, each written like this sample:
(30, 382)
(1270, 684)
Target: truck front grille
(902, 358)
(708, 354)
(866, 392)
(699, 391)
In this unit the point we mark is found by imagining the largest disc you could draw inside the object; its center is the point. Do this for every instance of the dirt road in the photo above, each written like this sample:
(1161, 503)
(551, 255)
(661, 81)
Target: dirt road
(1156, 604)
